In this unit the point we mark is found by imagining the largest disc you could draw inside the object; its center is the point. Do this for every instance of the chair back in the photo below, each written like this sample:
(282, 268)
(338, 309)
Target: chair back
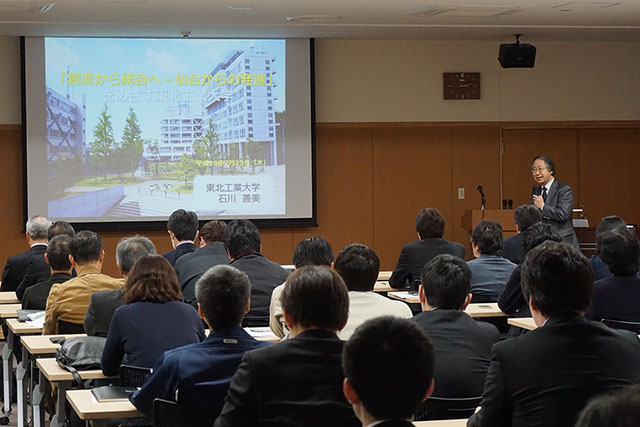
(441, 408)
(621, 324)
(133, 376)
(68, 328)
(171, 414)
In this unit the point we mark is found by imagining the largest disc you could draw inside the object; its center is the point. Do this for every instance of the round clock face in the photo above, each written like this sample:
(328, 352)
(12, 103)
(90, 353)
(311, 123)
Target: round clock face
(461, 85)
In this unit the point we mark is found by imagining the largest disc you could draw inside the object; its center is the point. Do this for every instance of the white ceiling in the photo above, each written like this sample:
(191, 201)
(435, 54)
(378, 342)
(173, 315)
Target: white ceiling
(354, 19)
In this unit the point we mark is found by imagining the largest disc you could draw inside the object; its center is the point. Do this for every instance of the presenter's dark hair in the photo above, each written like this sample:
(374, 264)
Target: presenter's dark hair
(389, 393)
(85, 246)
(558, 279)
(429, 223)
(537, 234)
(551, 167)
(213, 231)
(620, 408)
(446, 282)
(152, 279)
(223, 294)
(358, 266)
(58, 252)
(312, 251)
(183, 224)
(620, 251)
(316, 297)
(241, 237)
(60, 227)
(526, 215)
(611, 223)
(487, 235)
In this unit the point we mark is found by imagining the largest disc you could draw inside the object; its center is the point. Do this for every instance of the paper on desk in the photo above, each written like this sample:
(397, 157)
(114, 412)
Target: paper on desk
(36, 319)
(260, 332)
(402, 294)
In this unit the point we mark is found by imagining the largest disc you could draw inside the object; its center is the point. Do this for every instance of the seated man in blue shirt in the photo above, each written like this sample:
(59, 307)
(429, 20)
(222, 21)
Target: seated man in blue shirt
(489, 271)
(198, 375)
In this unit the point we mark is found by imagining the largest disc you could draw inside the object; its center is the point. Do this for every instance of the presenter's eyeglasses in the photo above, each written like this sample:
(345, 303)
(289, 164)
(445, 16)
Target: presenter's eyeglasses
(535, 170)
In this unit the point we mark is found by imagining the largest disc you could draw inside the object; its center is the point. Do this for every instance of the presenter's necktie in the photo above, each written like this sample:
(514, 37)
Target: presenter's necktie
(544, 193)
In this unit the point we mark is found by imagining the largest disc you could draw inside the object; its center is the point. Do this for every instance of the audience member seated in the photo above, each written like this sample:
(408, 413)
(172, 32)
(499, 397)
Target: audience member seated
(242, 242)
(198, 375)
(32, 261)
(608, 223)
(388, 397)
(618, 297)
(462, 345)
(152, 320)
(617, 409)
(190, 267)
(489, 271)
(547, 376)
(59, 228)
(414, 255)
(512, 300)
(524, 216)
(359, 266)
(310, 251)
(68, 301)
(104, 303)
(297, 382)
(57, 256)
(183, 229)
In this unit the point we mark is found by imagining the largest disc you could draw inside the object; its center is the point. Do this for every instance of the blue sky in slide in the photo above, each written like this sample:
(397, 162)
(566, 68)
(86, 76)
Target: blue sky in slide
(163, 58)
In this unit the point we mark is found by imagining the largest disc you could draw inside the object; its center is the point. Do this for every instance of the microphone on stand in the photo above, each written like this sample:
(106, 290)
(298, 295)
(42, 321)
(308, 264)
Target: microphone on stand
(484, 200)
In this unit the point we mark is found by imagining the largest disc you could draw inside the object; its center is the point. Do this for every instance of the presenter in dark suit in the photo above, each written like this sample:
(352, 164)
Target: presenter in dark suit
(546, 377)
(374, 344)
(297, 382)
(553, 198)
(183, 230)
(414, 255)
(29, 264)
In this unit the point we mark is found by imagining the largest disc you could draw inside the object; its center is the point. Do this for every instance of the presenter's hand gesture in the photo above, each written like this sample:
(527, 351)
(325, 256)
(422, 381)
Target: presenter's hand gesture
(538, 202)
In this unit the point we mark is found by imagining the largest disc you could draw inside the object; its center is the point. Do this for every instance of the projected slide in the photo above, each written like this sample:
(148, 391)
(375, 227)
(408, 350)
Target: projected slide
(142, 127)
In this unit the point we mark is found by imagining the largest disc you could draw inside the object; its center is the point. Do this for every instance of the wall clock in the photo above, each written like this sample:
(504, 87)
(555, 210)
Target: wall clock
(461, 85)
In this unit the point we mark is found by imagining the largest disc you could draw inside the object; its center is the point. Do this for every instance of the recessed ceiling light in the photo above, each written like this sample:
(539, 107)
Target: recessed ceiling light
(242, 8)
(47, 7)
(313, 18)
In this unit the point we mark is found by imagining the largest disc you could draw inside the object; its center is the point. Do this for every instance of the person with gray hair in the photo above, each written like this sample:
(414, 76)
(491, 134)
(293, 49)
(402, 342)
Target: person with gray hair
(104, 303)
(202, 372)
(28, 268)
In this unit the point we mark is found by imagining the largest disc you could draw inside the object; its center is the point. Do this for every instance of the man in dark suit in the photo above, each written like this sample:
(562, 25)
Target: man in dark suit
(524, 216)
(618, 297)
(103, 304)
(57, 256)
(414, 255)
(192, 266)
(387, 397)
(198, 375)
(297, 382)
(31, 261)
(553, 198)
(545, 377)
(489, 270)
(183, 229)
(462, 345)
(242, 242)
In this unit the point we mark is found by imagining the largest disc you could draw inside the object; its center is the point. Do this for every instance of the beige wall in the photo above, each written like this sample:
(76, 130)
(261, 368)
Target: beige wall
(401, 81)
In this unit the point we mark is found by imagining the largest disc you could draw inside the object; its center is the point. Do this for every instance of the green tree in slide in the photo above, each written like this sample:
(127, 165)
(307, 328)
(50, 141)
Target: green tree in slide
(103, 144)
(132, 144)
(154, 149)
(186, 169)
(206, 149)
(253, 151)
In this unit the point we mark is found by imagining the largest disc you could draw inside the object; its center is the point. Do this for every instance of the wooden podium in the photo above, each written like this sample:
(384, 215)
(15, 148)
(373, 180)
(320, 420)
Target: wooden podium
(504, 216)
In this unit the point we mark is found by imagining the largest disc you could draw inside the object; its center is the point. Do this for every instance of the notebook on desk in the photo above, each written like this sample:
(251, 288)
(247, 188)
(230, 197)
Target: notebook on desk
(25, 315)
(111, 393)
